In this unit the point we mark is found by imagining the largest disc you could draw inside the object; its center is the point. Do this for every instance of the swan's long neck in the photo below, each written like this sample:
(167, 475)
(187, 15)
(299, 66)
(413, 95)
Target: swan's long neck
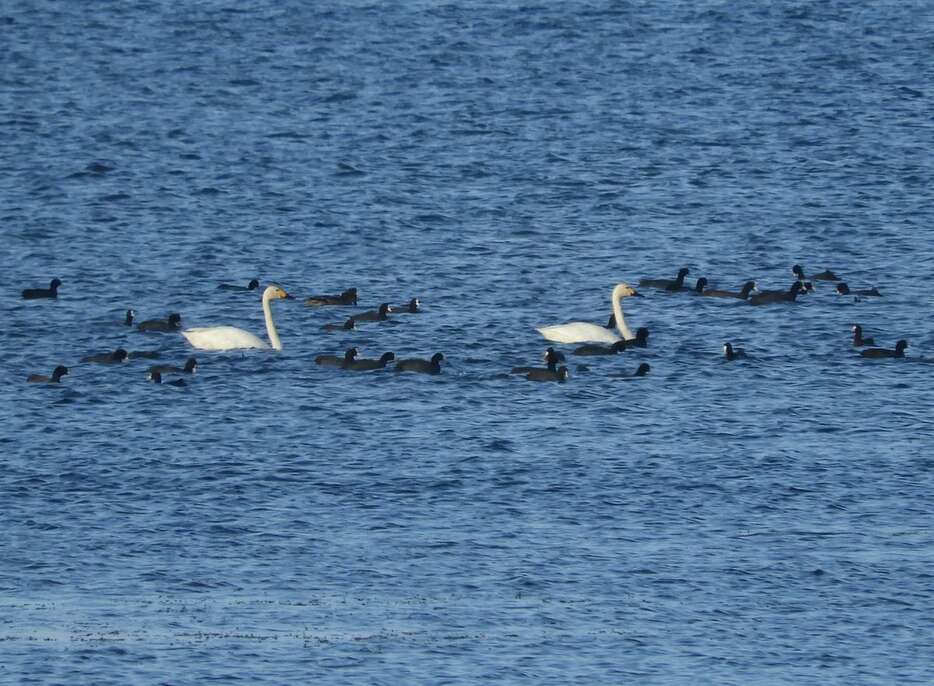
(620, 321)
(270, 326)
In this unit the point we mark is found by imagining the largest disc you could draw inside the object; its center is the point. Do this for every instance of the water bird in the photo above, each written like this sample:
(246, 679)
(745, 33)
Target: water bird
(413, 307)
(156, 377)
(128, 320)
(843, 289)
(367, 365)
(885, 352)
(348, 325)
(584, 332)
(858, 339)
(335, 361)
(675, 284)
(252, 286)
(767, 297)
(560, 375)
(117, 356)
(347, 297)
(825, 275)
(56, 377)
(172, 323)
(191, 366)
(641, 371)
(232, 338)
(743, 294)
(731, 353)
(552, 358)
(596, 349)
(432, 366)
(37, 293)
(381, 314)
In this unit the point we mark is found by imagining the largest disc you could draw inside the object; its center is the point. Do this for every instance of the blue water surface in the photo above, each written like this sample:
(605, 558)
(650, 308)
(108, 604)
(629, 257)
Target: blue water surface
(759, 521)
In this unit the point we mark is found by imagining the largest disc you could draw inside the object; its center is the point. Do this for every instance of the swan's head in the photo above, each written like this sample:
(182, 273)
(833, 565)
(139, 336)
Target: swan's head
(856, 328)
(129, 317)
(642, 333)
(385, 309)
(414, 304)
(191, 366)
(843, 289)
(275, 292)
(436, 358)
(798, 271)
(386, 358)
(351, 323)
(624, 290)
(120, 355)
(175, 319)
(728, 349)
(563, 373)
(350, 354)
(701, 284)
(155, 376)
(684, 271)
(59, 372)
(253, 285)
(643, 369)
(55, 283)
(901, 345)
(749, 287)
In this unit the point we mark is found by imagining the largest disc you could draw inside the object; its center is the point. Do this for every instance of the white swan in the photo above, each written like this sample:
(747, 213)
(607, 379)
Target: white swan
(232, 338)
(584, 332)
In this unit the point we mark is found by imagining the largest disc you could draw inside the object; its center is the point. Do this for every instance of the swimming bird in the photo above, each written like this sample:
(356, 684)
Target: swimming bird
(252, 286)
(348, 297)
(594, 349)
(552, 358)
(191, 366)
(232, 338)
(767, 297)
(335, 361)
(825, 275)
(117, 356)
(641, 371)
(675, 284)
(560, 375)
(732, 353)
(432, 366)
(381, 314)
(348, 325)
(56, 377)
(36, 293)
(743, 294)
(584, 332)
(843, 289)
(172, 323)
(369, 365)
(128, 320)
(858, 339)
(156, 377)
(641, 340)
(412, 307)
(885, 352)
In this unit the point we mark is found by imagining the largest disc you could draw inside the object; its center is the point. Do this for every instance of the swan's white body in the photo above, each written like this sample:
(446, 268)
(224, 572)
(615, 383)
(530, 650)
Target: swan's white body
(232, 338)
(584, 332)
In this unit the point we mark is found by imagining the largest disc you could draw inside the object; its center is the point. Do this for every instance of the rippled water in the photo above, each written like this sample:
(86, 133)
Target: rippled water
(761, 521)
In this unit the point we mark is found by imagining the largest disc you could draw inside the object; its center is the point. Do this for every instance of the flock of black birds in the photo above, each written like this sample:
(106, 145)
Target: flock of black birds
(551, 372)
(173, 323)
(802, 284)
